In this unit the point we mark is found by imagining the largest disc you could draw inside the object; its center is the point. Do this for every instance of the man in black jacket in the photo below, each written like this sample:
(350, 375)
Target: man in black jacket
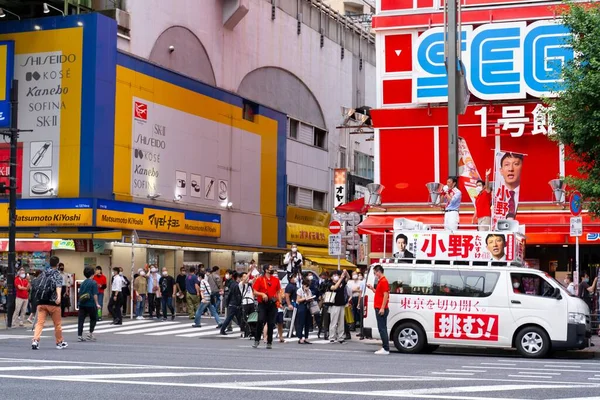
(234, 303)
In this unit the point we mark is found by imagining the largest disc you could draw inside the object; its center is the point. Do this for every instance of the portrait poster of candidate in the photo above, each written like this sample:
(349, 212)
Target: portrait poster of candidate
(401, 246)
(508, 167)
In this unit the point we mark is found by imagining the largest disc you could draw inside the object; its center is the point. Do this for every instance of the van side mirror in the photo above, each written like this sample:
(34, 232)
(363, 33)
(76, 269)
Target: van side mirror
(557, 294)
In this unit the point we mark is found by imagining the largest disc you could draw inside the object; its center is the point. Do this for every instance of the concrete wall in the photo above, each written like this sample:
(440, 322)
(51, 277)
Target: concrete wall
(266, 60)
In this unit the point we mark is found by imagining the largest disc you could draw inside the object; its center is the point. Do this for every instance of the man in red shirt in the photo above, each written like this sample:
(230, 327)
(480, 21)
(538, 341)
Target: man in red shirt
(22, 285)
(267, 290)
(100, 280)
(381, 304)
(483, 204)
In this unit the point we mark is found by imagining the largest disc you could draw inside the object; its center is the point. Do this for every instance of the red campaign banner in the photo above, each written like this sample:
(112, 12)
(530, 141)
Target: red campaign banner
(508, 167)
(5, 166)
(466, 326)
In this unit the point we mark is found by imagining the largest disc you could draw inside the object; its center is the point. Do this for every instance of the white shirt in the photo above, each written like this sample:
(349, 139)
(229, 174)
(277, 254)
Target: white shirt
(571, 288)
(247, 293)
(352, 285)
(289, 260)
(117, 283)
(66, 279)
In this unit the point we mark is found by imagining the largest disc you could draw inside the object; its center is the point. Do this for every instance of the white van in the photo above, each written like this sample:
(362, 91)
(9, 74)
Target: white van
(474, 303)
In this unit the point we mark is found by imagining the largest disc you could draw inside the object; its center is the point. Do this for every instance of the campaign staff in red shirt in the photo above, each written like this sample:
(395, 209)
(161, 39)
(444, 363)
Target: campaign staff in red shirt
(381, 304)
(267, 290)
(22, 285)
(483, 204)
(100, 280)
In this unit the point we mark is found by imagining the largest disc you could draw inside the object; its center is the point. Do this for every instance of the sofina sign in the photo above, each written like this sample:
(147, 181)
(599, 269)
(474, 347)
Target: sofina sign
(7, 62)
(502, 61)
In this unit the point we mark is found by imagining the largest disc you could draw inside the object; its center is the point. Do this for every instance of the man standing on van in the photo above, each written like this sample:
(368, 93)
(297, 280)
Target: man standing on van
(483, 204)
(381, 304)
(453, 196)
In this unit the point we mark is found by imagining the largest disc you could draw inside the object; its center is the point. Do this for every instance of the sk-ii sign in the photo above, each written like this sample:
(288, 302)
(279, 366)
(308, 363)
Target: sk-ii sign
(502, 61)
(7, 61)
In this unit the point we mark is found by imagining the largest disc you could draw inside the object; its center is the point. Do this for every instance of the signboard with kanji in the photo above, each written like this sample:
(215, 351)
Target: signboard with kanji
(335, 245)
(464, 245)
(339, 186)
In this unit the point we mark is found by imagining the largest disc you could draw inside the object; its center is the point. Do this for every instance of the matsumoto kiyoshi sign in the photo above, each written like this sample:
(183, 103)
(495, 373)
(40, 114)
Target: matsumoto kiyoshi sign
(502, 61)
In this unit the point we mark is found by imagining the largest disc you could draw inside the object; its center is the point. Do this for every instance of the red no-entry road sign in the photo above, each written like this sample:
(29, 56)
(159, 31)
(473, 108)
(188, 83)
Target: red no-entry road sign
(335, 227)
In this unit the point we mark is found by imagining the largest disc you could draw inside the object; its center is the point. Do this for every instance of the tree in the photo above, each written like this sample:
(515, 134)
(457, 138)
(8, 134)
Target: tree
(575, 114)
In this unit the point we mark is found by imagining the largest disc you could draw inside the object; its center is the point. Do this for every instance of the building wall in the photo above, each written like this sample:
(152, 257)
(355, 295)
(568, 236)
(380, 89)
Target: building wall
(268, 61)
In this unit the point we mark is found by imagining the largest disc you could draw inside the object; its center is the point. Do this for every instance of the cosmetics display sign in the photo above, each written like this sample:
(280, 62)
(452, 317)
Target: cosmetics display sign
(193, 159)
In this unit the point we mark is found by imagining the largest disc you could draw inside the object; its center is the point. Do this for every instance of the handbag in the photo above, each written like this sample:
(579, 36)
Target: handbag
(84, 297)
(329, 298)
(348, 315)
(314, 308)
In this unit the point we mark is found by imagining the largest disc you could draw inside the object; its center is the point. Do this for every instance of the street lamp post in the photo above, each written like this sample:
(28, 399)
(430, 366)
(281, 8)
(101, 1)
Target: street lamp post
(452, 50)
(13, 134)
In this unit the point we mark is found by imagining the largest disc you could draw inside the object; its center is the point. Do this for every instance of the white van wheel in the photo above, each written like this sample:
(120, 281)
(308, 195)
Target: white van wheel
(409, 338)
(532, 342)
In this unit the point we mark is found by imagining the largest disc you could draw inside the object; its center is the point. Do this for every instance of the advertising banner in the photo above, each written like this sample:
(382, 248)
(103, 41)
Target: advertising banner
(7, 60)
(508, 167)
(467, 245)
(467, 170)
(339, 186)
(115, 214)
(55, 212)
(48, 66)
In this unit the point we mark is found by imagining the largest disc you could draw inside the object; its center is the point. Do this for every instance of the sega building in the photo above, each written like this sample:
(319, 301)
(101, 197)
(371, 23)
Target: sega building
(120, 148)
(512, 54)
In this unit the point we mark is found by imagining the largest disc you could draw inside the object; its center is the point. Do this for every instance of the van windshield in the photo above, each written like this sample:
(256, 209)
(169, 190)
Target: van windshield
(560, 285)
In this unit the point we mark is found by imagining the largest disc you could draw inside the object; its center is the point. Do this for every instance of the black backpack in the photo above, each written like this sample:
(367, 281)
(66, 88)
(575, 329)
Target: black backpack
(42, 288)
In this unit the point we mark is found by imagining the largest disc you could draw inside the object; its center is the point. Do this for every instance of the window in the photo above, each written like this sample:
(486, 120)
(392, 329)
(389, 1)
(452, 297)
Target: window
(292, 195)
(442, 283)
(318, 200)
(294, 126)
(531, 284)
(249, 110)
(342, 158)
(466, 284)
(407, 281)
(364, 165)
(320, 138)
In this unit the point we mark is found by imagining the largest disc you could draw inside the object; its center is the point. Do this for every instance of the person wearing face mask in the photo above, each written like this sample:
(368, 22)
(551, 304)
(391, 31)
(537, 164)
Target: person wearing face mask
(586, 291)
(570, 285)
(516, 286)
(167, 286)
(67, 282)
(153, 293)
(483, 204)
(140, 287)
(248, 305)
(116, 298)
(180, 291)
(101, 281)
(267, 290)
(22, 286)
(88, 304)
(293, 261)
(336, 310)
(354, 287)
(126, 290)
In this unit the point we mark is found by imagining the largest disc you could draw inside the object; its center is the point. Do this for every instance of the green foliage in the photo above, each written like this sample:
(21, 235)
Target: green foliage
(576, 113)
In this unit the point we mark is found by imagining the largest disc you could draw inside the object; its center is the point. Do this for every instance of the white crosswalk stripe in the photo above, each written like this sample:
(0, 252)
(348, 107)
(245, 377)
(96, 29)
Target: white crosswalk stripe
(181, 328)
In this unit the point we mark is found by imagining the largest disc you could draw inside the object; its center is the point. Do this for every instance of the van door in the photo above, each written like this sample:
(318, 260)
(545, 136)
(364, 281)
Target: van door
(472, 309)
(531, 302)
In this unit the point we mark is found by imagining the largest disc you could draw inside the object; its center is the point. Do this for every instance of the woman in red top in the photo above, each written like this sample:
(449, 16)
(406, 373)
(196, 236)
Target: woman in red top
(22, 286)
(381, 304)
(267, 290)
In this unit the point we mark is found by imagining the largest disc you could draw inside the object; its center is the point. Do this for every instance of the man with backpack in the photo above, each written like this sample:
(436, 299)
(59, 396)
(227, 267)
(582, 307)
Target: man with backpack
(46, 290)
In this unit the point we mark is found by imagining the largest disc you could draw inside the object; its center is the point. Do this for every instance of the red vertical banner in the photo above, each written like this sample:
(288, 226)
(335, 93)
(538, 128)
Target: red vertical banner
(468, 175)
(508, 167)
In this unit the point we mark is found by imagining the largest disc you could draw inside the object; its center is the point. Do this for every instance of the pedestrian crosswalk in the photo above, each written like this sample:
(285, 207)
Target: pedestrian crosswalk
(183, 328)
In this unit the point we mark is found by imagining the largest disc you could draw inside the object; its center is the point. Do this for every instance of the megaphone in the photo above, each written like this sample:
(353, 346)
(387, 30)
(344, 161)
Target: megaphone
(375, 190)
(507, 225)
(405, 224)
(434, 189)
(558, 188)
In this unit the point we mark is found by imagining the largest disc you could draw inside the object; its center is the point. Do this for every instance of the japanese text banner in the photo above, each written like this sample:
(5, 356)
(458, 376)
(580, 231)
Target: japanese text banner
(472, 245)
(467, 170)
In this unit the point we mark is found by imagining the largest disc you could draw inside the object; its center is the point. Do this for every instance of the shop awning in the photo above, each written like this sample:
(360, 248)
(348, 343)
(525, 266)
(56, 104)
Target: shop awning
(309, 251)
(357, 206)
(330, 263)
(543, 228)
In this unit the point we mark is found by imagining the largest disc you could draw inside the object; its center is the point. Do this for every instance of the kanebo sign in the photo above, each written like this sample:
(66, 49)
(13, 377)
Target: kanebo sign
(502, 61)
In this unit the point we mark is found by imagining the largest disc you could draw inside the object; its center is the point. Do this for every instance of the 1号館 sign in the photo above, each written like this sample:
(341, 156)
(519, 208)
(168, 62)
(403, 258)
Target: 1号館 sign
(502, 61)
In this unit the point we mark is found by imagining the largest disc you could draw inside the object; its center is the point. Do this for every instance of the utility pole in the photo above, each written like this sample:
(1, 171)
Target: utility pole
(452, 44)
(13, 133)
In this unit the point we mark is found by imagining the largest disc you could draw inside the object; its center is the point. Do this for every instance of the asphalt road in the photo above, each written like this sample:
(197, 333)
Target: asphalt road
(156, 360)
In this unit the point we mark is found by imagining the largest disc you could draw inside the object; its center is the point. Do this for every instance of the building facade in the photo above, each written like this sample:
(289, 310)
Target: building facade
(512, 55)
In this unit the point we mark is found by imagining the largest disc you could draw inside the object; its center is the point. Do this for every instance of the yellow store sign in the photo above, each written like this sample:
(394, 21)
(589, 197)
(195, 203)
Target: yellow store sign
(33, 218)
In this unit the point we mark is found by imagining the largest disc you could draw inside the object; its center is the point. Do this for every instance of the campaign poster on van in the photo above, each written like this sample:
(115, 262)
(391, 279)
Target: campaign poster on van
(476, 246)
(507, 185)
